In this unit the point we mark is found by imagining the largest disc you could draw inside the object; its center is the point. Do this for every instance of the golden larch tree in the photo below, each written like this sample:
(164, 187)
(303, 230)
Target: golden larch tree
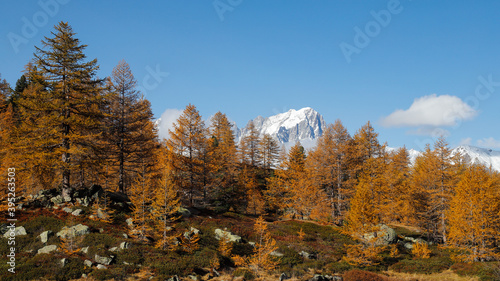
(474, 215)
(188, 145)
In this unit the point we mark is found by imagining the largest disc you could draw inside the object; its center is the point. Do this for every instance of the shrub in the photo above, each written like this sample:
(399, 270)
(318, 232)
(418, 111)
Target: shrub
(485, 271)
(425, 266)
(42, 223)
(361, 275)
(421, 251)
(290, 257)
(338, 267)
(246, 273)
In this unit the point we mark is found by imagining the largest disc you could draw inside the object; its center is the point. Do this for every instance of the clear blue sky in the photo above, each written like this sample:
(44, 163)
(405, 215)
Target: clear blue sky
(266, 57)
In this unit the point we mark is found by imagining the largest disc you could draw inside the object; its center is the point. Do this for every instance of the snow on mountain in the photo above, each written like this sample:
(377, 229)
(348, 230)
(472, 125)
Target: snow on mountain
(304, 125)
(411, 152)
(471, 154)
(479, 155)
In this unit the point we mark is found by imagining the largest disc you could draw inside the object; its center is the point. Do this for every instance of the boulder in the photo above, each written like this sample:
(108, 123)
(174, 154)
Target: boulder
(67, 210)
(100, 266)
(47, 249)
(184, 212)
(276, 254)
(130, 222)
(71, 232)
(103, 260)
(175, 278)
(113, 249)
(219, 234)
(283, 277)
(18, 231)
(64, 262)
(124, 245)
(44, 236)
(194, 230)
(85, 250)
(58, 200)
(309, 256)
(77, 212)
(87, 263)
(384, 235)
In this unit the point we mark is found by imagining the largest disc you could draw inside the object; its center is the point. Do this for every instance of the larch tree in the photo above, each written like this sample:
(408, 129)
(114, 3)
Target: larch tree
(166, 202)
(398, 179)
(188, 145)
(269, 151)
(68, 99)
(474, 215)
(250, 146)
(369, 167)
(329, 166)
(129, 115)
(433, 179)
(223, 162)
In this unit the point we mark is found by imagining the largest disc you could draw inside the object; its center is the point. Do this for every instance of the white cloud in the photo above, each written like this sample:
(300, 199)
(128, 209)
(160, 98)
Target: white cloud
(430, 131)
(466, 141)
(489, 143)
(431, 111)
(168, 118)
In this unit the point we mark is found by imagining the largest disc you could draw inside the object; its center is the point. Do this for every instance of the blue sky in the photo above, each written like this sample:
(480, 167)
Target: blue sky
(437, 62)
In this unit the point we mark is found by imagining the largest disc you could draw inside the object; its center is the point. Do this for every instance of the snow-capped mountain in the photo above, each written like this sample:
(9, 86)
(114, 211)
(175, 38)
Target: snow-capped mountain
(411, 152)
(479, 155)
(304, 125)
(471, 154)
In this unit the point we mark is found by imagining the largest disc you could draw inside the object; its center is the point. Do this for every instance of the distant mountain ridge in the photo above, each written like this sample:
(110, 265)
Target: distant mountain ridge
(471, 154)
(304, 125)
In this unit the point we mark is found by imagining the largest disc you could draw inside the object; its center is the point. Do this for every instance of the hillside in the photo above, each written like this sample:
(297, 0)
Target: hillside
(100, 250)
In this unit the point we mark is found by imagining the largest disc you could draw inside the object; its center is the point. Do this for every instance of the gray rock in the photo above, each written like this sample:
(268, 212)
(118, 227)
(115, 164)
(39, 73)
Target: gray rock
(383, 236)
(47, 249)
(72, 232)
(195, 230)
(309, 256)
(184, 212)
(317, 277)
(77, 212)
(125, 235)
(193, 277)
(100, 266)
(283, 277)
(175, 278)
(67, 210)
(58, 200)
(64, 262)
(84, 276)
(276, 254)
(124, 245)
(83, 201)
(219, 234)
(101, 214)
(114, 249)
(103, 260)
(85, 250)
(44, 236)
(18, 231)
(130, 222)
(252, 244)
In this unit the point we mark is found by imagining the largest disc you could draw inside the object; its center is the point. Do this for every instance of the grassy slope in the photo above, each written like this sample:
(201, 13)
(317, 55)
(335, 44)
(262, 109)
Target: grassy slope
(142, 259)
